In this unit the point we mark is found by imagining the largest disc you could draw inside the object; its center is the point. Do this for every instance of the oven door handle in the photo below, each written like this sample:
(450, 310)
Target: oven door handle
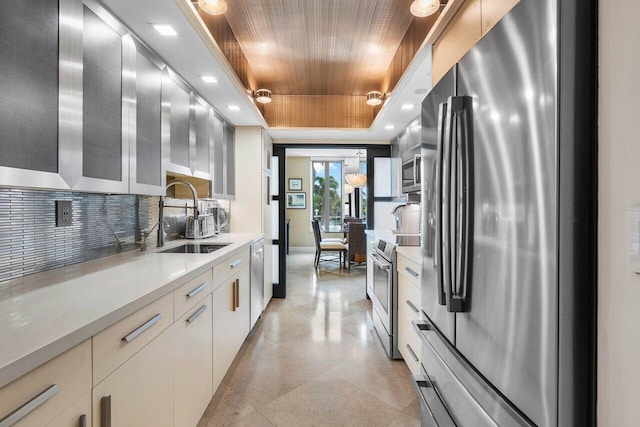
(376, 260)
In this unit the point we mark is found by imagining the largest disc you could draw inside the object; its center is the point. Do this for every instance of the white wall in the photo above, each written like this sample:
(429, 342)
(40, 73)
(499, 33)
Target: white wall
(247, 208)
(619, 188)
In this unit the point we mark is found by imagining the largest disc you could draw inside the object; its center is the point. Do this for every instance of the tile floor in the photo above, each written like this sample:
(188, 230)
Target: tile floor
(314, 360)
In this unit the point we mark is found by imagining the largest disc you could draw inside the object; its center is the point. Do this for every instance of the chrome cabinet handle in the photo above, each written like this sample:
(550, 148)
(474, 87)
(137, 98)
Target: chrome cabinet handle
(412, 307)
(412, 353)
(82, 421)
(105, 411)
(197, 290)
(411, 272)
(29, 407)
(235, 263)
(197, 314)
(141, 329)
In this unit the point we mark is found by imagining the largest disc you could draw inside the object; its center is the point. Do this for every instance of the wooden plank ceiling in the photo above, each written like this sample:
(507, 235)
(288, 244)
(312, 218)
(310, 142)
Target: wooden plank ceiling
(304, 49)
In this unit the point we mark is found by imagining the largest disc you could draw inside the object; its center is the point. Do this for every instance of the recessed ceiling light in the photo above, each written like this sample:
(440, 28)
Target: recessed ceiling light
(233, 107)
(165, 30)
(407, 106)
(421, 91)
(389, 127)
(209, 79)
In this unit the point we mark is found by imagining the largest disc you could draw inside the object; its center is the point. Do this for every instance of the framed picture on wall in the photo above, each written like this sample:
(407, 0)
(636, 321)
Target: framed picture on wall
(295, 184)
(296, 200)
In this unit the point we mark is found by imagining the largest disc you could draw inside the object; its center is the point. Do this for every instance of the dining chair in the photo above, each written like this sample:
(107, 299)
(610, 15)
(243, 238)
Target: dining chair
(326, 246)
(357, 244)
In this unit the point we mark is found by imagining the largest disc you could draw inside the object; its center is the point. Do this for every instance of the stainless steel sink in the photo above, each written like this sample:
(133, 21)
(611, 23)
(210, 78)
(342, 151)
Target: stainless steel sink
(196, 248)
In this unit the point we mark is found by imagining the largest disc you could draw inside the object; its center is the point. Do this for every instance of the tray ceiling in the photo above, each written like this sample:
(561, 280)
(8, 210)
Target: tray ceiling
(319, 47)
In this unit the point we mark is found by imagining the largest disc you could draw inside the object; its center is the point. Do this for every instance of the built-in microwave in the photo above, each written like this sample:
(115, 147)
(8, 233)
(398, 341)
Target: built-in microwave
(411, 174)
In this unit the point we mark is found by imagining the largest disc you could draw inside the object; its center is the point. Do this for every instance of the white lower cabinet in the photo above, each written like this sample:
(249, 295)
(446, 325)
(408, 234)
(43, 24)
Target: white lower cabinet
(222, 339)
(141, 391)
(77, 415)
(40, 397)
(231, 322)
(408, 311)
(146, 369)
(192, 364)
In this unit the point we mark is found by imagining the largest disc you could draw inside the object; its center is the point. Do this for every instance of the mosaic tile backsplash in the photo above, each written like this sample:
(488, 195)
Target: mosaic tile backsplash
(103, 225)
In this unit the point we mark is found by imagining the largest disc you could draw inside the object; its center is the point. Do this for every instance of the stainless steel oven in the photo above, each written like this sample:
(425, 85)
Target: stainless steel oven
(383, 291)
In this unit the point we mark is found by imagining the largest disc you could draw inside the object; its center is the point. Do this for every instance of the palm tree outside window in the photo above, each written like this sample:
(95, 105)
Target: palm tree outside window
(327, 194)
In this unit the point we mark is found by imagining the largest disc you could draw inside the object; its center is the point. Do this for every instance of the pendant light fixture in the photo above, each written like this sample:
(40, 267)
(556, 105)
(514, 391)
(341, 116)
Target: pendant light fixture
(422, 8)
(213, 7)
(357, 180)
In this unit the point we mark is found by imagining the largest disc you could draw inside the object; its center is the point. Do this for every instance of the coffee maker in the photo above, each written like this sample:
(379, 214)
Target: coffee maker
(407, 220)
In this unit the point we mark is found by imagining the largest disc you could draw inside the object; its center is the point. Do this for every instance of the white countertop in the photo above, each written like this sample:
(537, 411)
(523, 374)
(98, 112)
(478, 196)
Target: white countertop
(73, 303)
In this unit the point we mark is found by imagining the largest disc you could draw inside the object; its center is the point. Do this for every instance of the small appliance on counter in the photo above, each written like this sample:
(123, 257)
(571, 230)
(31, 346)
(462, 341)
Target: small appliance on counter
(206, 226)
(407, 223)
(212, 220)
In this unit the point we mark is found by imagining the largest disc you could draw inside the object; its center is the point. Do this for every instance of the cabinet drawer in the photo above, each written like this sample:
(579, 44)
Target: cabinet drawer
(119, 342)
(408, 339)
(408, 299)
(230, 266)
(409, 269)
(65, 379)
(192, 292)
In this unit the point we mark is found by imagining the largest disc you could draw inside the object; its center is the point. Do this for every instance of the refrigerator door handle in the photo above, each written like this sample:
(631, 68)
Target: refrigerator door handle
(460, 107)
(437, 256)
(446, 241)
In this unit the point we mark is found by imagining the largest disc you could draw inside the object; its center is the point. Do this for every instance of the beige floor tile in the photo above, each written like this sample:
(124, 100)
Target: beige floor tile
(329, 403)
(405, 421)
(413, 409)
(315, 359)
(230, 409)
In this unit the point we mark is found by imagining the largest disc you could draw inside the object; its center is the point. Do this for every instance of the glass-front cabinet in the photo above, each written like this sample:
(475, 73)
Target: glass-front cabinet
(86, 106)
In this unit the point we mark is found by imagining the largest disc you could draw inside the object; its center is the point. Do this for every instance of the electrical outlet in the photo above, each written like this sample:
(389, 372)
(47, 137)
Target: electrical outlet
(63, 213)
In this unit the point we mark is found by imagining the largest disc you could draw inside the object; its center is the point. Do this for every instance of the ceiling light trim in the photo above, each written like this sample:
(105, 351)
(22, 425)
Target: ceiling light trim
(263, 96)
(424, 8)
(213, 7)
(375, 98)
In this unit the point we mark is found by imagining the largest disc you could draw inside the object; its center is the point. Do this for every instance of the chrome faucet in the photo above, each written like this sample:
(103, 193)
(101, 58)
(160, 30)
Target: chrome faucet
(196, 214)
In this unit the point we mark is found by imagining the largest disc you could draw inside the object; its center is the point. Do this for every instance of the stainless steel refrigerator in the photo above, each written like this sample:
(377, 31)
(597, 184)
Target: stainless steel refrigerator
(508, 244)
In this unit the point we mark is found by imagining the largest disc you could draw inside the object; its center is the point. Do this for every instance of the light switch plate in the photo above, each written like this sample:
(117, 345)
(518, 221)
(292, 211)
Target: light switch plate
(633, 219)
(63, 213)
